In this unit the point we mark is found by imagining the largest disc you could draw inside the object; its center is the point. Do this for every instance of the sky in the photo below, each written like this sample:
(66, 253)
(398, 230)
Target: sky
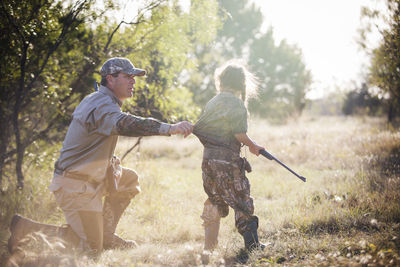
(326, 32)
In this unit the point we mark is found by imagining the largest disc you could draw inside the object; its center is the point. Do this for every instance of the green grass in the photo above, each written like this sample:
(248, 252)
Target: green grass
(347, 213)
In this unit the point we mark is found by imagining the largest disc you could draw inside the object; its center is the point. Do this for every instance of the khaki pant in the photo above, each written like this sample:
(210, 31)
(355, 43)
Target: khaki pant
(82, 204)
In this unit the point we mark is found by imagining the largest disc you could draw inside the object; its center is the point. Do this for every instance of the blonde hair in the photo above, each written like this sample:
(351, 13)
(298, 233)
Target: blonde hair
(234, 76)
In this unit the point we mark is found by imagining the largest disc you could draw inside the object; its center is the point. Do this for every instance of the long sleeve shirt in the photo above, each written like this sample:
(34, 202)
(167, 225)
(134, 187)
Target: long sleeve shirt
(93, 133)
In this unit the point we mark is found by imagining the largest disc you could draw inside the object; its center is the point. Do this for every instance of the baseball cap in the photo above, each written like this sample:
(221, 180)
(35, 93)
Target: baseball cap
(120, 64)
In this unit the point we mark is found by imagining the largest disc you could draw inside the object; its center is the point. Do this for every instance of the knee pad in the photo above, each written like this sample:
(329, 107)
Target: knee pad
(129, 183)
(130, 175)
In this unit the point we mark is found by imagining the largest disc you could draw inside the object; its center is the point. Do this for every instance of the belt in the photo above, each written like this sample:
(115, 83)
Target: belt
(80, 177)
(220, 153)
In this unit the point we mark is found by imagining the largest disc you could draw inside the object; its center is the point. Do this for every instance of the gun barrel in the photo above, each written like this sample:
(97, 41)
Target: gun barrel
(271, 157)
(266, 154)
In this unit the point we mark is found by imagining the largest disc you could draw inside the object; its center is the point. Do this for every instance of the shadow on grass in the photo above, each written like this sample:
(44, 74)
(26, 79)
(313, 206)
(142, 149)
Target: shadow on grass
(390, 164)
(335, 225)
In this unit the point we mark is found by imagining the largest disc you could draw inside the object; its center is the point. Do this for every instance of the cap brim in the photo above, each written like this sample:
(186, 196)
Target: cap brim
(138, 72)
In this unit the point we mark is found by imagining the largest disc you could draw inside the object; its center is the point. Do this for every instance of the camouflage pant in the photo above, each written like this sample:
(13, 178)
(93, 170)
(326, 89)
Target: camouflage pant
(227, 185)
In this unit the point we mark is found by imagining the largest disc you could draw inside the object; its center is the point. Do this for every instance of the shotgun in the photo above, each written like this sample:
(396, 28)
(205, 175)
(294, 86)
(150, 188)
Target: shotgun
(270, 157)
(262, 152)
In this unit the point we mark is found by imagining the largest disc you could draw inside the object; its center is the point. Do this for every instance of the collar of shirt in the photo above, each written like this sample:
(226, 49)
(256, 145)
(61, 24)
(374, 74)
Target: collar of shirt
(106, 91)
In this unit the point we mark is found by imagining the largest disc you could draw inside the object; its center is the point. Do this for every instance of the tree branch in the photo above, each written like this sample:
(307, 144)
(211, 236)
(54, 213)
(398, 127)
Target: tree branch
(12, 22)
(130, 149)
(72, 18)
(137, 21)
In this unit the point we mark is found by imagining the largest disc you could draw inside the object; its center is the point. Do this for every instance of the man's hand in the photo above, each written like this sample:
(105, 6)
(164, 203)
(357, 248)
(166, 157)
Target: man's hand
(184, 127)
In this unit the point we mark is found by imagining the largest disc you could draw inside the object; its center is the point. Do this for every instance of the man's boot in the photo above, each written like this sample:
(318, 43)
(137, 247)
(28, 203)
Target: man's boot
(20, 227)
(251, 237)
(113, 209)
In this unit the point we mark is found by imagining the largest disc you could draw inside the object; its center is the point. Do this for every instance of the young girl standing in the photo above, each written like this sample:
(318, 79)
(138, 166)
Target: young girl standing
(222, 129)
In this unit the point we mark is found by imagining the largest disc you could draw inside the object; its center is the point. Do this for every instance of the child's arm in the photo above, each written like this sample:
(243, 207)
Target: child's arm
(245, 139)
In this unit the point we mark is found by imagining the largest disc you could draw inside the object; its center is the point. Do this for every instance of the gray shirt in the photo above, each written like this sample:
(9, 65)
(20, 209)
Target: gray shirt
(93, 133)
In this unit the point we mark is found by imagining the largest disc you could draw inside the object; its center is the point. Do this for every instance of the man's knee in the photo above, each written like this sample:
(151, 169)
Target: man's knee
(129, 183)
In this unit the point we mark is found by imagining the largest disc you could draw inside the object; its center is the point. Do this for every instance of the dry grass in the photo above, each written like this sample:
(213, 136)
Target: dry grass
(347, 213)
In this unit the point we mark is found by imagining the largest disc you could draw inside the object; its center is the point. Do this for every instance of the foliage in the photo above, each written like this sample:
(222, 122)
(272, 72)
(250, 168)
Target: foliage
(239, 24)
(166, 41)
(243, 21)
(38, 78)
(52, 52)
(362, 102)
(240, 37)
(385, 60)
(284, 79)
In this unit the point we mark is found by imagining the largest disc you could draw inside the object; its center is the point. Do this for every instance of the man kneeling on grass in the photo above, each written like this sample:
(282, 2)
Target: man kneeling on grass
(87, 168)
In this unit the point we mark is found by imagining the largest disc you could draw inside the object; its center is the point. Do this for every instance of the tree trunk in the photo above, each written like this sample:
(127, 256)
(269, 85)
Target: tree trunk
(20, 148)
(3, 146)
(5, 132)
(18, 166)
(390, 112)
(18, 102)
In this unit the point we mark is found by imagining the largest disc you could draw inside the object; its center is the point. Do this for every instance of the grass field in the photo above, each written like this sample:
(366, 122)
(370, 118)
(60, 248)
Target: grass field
(346, 214)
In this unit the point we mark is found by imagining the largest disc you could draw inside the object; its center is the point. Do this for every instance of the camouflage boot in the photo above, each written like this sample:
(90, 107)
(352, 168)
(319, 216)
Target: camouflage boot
(112, 212)
(251, 237)
(20, 227)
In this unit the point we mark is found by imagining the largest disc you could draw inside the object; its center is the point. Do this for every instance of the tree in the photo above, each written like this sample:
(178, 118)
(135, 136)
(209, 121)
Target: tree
(385, 67)
(283, 75)
(284, 79)
(167, 42)
(242, 23)
(52, 53)
(32, 33)
(239, 24)
(361, 101)
(385, 59)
